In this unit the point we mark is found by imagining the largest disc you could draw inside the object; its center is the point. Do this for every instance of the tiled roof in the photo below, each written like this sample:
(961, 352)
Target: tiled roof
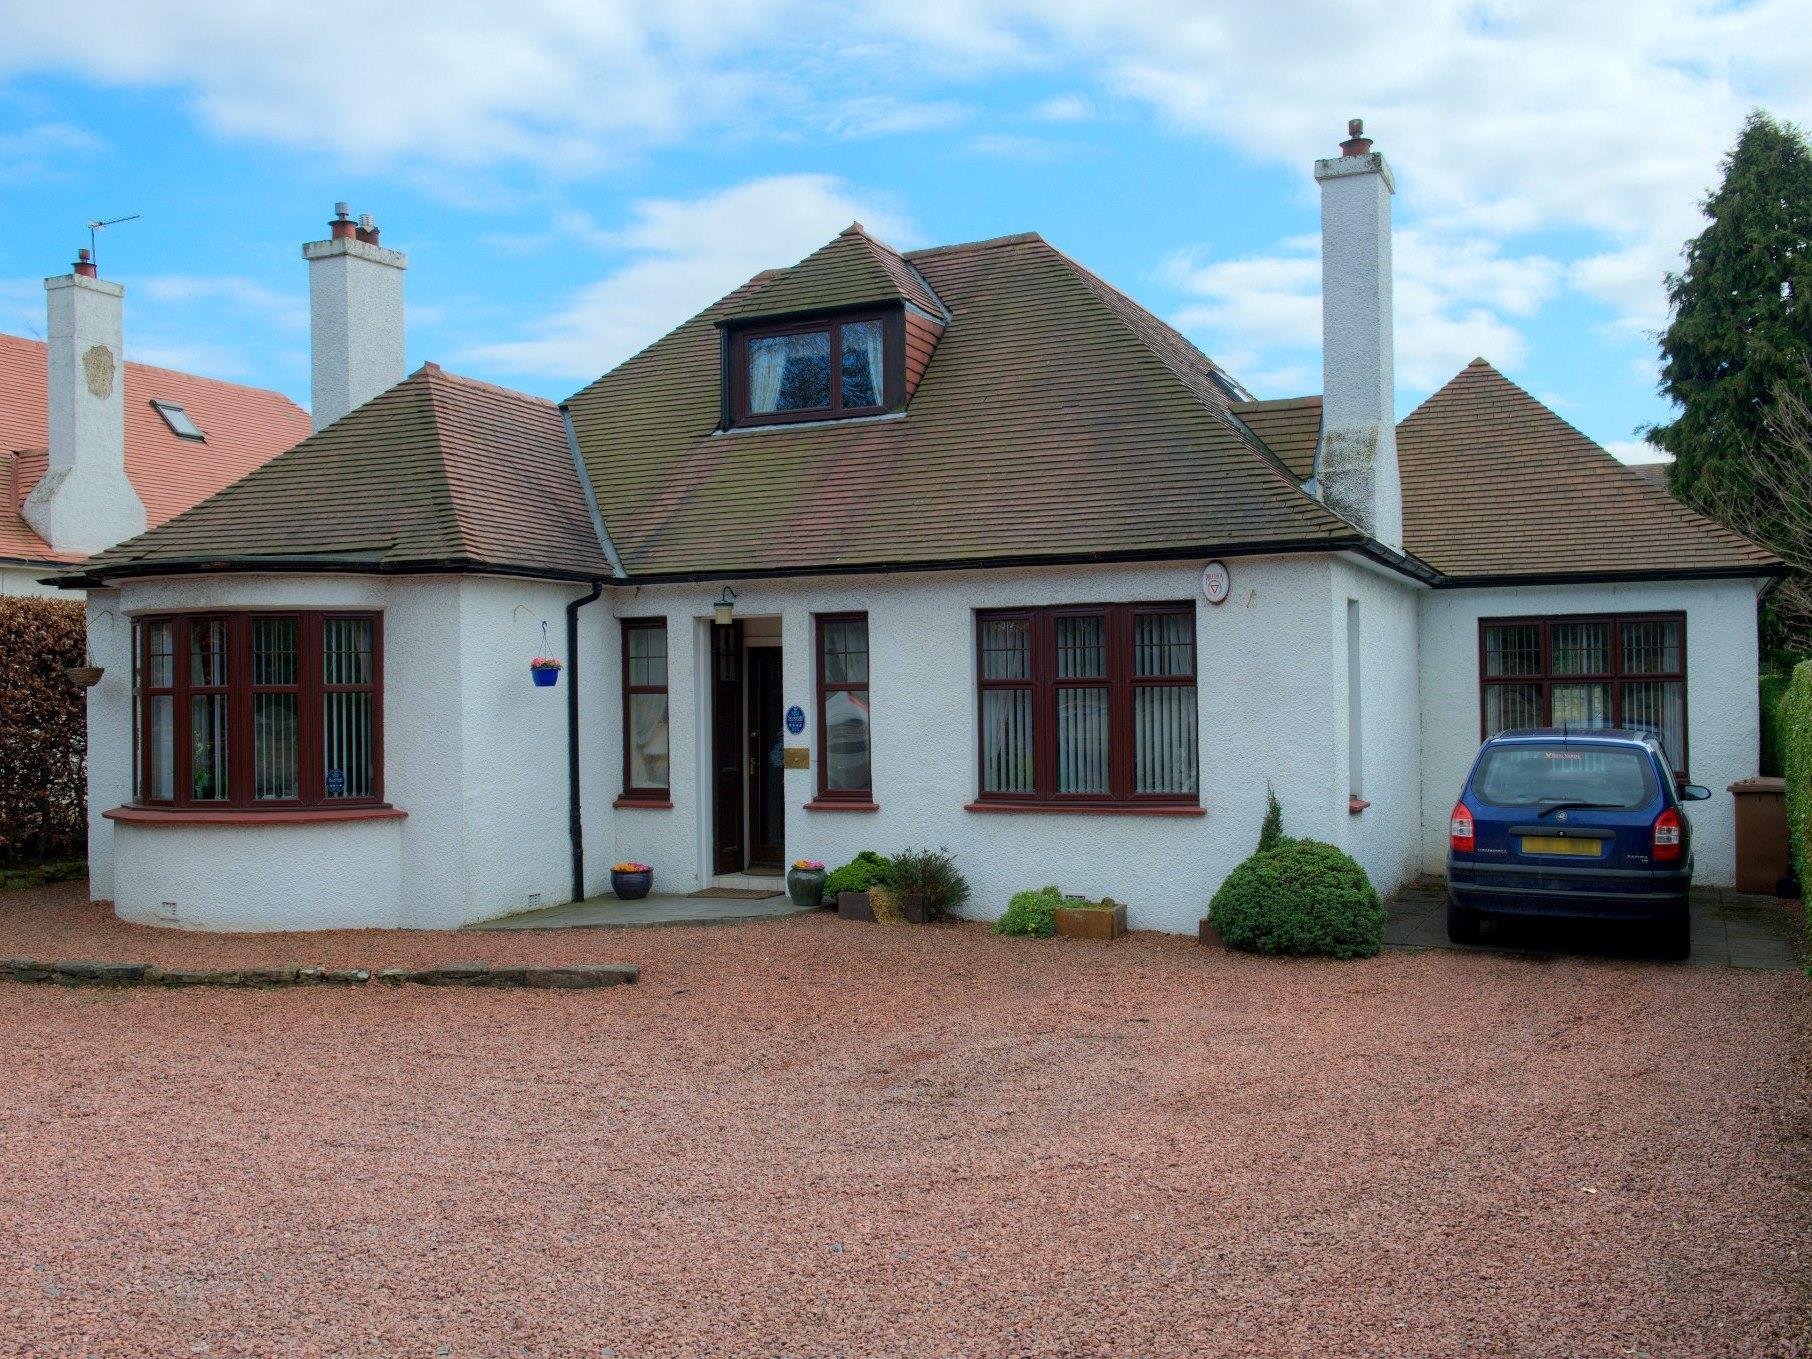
(1056, 419)
(1497, 485)
(1290, 427)
(853, 268)
(439, 470)
(245, 427)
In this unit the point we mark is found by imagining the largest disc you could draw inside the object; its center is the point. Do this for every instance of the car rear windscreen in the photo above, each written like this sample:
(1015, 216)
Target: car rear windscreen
(1536, 775)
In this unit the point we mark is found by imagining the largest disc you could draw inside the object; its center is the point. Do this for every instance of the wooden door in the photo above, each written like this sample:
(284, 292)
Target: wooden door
(727, 747)
(767, 813)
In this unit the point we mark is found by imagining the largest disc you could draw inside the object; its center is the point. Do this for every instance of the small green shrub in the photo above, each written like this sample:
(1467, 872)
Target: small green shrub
(1270, 834)
(1031, 913)
(1303, 897)
(1796, 759)
(858, 875)
(933, 874)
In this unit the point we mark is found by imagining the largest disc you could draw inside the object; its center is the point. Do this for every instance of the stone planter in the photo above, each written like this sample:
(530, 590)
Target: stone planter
(855, 906)
(1091, 922)
(1208, 936)
(631, 886)
(805, 886)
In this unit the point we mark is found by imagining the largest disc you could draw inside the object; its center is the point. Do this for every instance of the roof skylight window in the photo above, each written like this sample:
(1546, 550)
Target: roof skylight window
(181, 424)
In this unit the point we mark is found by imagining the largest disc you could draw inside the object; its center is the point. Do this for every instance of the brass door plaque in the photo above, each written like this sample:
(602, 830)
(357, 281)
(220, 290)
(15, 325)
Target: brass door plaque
(797, 757)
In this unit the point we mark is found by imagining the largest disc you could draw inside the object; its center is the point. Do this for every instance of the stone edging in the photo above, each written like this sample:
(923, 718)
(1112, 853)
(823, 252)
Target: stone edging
(563, 977)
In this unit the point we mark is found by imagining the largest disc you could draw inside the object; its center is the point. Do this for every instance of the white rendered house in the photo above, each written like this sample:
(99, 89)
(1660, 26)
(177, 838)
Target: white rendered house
(958, 547)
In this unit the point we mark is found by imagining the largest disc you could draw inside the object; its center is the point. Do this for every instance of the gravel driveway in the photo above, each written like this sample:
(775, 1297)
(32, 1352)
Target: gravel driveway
(812, 1137)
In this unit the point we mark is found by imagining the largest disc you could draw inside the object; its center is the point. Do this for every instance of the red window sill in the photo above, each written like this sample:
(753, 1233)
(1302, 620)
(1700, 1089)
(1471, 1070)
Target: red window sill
(820, 805)
(1086, 809)
(290, 816)
(1355, 805)
(647, 804)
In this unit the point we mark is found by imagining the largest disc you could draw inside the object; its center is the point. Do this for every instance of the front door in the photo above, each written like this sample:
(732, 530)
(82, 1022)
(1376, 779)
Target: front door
(727, 749)
(767, 812)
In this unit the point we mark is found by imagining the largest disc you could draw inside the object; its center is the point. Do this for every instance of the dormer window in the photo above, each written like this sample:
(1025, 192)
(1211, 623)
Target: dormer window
(821, 369)
(181, 423)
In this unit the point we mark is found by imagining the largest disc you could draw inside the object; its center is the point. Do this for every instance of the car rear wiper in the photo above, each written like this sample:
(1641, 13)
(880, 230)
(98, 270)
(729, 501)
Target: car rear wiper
(1567, 806)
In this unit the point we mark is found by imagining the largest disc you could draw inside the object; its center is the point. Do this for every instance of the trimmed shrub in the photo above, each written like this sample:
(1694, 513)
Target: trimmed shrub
(858, 875)
(933, 874)
(1795, 714)
(43, 731)
(1031, 913)
(1303, 897)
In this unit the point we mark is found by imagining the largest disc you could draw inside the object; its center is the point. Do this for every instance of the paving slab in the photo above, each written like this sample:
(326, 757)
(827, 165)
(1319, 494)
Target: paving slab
(1729, 929)
(608, 913)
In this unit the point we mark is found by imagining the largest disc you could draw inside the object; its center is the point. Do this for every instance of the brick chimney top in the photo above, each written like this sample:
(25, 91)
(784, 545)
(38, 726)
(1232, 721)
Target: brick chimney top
(342, 227)
(1356, 143)
(84, 264)
(368, 231)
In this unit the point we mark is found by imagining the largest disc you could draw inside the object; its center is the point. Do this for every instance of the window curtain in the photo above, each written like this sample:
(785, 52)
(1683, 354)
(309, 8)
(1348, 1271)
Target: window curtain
(767, 366)
(869, 333)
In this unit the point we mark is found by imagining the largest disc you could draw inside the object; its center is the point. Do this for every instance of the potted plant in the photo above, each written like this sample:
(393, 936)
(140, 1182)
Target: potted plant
(931, 889)
(805, 882)
(1080, 918)
(848, 886)
(546, 670)
(631, 881)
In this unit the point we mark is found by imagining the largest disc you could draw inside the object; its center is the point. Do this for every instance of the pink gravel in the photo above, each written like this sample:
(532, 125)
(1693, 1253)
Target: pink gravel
(812, 1137)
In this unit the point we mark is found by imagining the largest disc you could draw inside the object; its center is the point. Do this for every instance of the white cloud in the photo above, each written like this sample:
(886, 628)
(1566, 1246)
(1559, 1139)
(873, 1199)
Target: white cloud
(187, 355)
(1011, 146)
(1454, 300)
(269, 305)
(42, 150)
(1065, 108)
(1636, 451)
(682, 255)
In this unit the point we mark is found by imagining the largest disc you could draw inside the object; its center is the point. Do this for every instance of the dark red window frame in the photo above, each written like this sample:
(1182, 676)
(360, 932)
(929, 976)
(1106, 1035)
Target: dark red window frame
(1119, 684)
(631, 793)
(826, 688)
(1613, 678)
(310, 689)
(892, 350)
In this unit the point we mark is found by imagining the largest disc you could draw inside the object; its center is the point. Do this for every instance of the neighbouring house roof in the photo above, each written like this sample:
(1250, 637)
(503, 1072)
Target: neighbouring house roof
(1497, 485)
(1292, 428)
(853, 269)
(1057, 419)
(439, 472)
(244, 428)
(1654, 473)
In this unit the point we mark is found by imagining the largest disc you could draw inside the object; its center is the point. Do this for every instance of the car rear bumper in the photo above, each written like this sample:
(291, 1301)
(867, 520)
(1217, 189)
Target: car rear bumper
(1573, 893)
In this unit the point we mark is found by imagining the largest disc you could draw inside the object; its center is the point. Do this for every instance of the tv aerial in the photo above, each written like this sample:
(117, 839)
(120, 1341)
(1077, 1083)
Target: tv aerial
(97, 225)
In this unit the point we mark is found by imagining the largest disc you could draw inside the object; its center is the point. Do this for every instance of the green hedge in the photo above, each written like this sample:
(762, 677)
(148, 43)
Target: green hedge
(1303, 897)
(1770, 688)
(1796, 759)
(43, 731)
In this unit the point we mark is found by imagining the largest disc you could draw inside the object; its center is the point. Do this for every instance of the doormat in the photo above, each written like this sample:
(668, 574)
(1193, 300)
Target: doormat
(736, 894)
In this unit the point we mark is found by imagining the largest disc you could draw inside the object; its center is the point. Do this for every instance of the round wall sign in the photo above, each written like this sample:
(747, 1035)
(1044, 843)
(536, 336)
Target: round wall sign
(795, 719)
(1216, 582)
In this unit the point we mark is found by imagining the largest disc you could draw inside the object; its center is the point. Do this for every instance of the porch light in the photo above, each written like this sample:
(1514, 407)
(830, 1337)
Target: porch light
(724, 607)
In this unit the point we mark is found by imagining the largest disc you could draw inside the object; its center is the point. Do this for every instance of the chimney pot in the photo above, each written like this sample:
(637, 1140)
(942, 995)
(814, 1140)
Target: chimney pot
(1356, 143)
(368, 231)
(84, 264)
(342, 227)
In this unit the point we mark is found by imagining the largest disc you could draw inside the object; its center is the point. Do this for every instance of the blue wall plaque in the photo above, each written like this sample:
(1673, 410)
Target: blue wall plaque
(795, 719)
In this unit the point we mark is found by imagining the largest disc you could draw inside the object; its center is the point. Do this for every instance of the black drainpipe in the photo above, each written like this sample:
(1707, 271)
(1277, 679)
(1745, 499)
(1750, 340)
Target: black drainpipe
(574, 822)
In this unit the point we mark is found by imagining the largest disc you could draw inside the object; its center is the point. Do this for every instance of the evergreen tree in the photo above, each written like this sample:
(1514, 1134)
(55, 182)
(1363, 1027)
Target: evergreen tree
(1742, 319)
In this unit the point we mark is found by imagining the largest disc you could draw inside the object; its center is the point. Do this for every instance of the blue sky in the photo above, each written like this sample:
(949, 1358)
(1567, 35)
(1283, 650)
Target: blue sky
(572, 179)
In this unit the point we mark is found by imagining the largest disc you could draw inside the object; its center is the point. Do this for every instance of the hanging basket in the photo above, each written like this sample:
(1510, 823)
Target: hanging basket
(546, 676)
(86, 676)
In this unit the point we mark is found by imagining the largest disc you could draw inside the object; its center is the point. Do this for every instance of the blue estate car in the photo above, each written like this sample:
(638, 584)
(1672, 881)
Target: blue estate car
(1574, 824)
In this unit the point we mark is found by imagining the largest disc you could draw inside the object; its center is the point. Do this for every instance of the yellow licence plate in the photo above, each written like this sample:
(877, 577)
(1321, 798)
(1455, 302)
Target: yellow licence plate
(1558, 844)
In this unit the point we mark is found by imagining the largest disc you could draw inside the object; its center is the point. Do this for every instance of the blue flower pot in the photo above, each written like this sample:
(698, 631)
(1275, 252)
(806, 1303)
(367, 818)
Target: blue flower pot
(631, 886)
(545, 679)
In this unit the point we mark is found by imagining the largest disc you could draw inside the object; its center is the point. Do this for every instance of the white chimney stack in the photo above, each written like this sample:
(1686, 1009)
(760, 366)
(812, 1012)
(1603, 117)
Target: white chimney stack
(1356, 466)
(355, 311)
(84, 502)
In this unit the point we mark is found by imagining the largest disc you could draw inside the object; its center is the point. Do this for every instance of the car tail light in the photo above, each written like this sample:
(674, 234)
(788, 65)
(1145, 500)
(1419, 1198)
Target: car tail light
(1460, 831)
(1667, 835)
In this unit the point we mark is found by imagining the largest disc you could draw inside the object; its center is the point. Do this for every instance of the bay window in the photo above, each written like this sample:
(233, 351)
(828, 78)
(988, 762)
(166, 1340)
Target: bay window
(1610, 670)
(1088, 705)
(845, 766)
(645, 726)
(258, 710)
